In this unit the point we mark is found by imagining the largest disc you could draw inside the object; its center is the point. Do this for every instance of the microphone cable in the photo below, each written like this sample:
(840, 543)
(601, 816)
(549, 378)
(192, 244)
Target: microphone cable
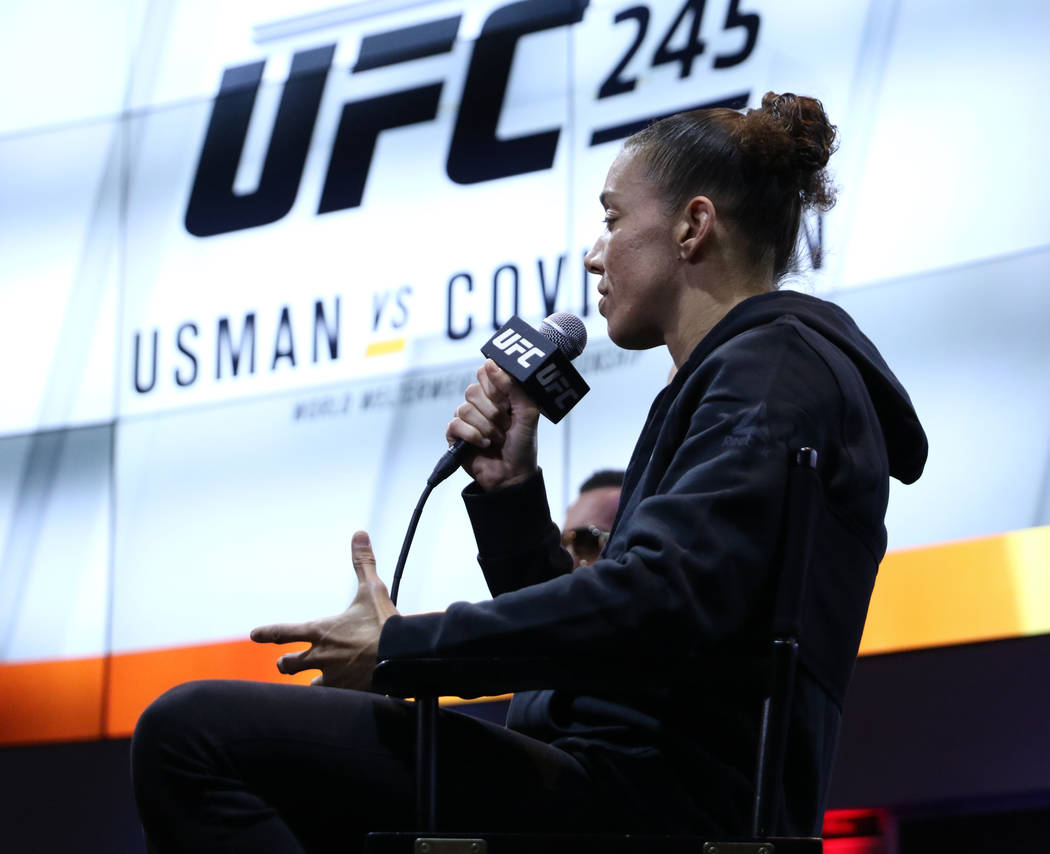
(568, 334)
(438, 475)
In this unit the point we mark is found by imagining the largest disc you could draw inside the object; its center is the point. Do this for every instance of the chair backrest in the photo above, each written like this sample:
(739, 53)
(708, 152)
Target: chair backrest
(801, 509)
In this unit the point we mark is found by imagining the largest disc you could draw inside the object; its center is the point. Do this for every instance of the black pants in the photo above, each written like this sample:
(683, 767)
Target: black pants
(246, 766)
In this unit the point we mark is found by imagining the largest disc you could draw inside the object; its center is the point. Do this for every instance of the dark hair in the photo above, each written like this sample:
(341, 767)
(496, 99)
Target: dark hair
(761, 168)
(602, 479)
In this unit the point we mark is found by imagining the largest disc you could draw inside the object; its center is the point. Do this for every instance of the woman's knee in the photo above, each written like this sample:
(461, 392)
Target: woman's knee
(173, 724)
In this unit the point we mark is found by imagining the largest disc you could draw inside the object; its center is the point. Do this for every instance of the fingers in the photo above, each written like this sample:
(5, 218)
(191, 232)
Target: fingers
(458, 428)
(489, 403)
(372, 594)
(286, 633)
(316, 657)
(497, 383)
(363, 558)
(476, 424)
(501, 387)
(484, 416)
(295, 662)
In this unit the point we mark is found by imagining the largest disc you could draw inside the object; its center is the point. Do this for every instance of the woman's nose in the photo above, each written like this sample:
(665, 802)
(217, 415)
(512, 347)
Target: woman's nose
(591, 261)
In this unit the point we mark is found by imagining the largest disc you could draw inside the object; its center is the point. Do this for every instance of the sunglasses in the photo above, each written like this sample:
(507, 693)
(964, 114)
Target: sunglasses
(586, 543)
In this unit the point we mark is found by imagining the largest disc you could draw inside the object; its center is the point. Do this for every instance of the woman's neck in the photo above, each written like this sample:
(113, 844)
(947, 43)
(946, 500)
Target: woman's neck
(701, 307)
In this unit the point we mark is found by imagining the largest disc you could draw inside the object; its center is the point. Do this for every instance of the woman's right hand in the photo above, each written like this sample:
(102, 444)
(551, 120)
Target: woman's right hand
(500, 420)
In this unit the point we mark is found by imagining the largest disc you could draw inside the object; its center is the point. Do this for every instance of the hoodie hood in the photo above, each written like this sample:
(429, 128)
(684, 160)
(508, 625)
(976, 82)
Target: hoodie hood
(906, 444)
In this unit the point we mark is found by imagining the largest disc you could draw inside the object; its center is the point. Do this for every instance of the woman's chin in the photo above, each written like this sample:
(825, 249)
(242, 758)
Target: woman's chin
(621, 338)
(631, 339)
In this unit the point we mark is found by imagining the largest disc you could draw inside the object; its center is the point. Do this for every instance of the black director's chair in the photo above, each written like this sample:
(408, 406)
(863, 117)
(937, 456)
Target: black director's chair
(427, 679)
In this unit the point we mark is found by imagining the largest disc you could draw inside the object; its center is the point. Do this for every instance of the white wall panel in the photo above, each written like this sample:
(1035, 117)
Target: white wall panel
(55, 544)
(65, 62)
(970, 345)
(238, 515)
(231, 510)
(59, 256)
(957, 154)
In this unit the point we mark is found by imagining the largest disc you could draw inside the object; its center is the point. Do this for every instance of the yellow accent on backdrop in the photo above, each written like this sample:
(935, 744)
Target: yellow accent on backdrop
(383, 348)
(973, 590)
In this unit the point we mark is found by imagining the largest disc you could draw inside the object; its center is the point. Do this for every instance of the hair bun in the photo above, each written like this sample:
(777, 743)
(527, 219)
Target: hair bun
(791, 135)
(763, 169)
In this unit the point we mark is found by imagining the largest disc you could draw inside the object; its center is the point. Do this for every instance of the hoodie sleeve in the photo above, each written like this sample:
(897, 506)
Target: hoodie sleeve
(518, 544)
(688, 566)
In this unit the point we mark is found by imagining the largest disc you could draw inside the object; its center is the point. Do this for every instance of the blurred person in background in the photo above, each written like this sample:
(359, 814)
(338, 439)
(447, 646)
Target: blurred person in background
(590, 517)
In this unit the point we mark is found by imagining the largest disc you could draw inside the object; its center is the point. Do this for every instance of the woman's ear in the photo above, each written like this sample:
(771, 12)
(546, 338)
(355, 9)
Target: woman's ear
(695, 227)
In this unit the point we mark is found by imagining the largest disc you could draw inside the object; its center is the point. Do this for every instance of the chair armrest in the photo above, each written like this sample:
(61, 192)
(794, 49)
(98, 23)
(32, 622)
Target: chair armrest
(485, 677)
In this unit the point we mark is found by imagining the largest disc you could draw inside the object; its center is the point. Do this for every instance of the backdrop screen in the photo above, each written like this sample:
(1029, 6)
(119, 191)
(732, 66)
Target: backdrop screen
(249, 252)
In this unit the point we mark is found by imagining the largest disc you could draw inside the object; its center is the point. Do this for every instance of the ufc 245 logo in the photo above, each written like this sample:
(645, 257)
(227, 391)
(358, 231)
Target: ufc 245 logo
(475, 153)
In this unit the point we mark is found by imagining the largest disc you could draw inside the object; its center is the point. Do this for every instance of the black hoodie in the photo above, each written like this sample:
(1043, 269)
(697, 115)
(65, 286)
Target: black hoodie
(679, 604)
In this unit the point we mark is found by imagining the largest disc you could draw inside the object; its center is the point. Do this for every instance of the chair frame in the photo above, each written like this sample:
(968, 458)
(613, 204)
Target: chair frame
(426, 679)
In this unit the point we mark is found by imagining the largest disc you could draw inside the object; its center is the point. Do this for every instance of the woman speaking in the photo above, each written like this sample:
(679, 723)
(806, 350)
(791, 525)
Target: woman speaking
(702, 213)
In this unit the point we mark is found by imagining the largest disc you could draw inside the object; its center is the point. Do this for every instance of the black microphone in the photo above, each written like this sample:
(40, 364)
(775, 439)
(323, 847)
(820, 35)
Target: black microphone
(540, 362)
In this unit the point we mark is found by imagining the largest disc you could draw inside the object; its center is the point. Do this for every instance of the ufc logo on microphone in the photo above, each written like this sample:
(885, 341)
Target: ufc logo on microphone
(510, 342)
(555, 382)
(547, 376)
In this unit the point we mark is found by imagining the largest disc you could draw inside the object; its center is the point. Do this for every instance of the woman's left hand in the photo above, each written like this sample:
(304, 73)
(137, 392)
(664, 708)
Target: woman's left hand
(344, 647)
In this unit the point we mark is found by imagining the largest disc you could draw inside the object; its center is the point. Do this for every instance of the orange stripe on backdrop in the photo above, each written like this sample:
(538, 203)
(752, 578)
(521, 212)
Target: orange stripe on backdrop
(63, 700)
(139, 677)
(51, 700)
(982, 589)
